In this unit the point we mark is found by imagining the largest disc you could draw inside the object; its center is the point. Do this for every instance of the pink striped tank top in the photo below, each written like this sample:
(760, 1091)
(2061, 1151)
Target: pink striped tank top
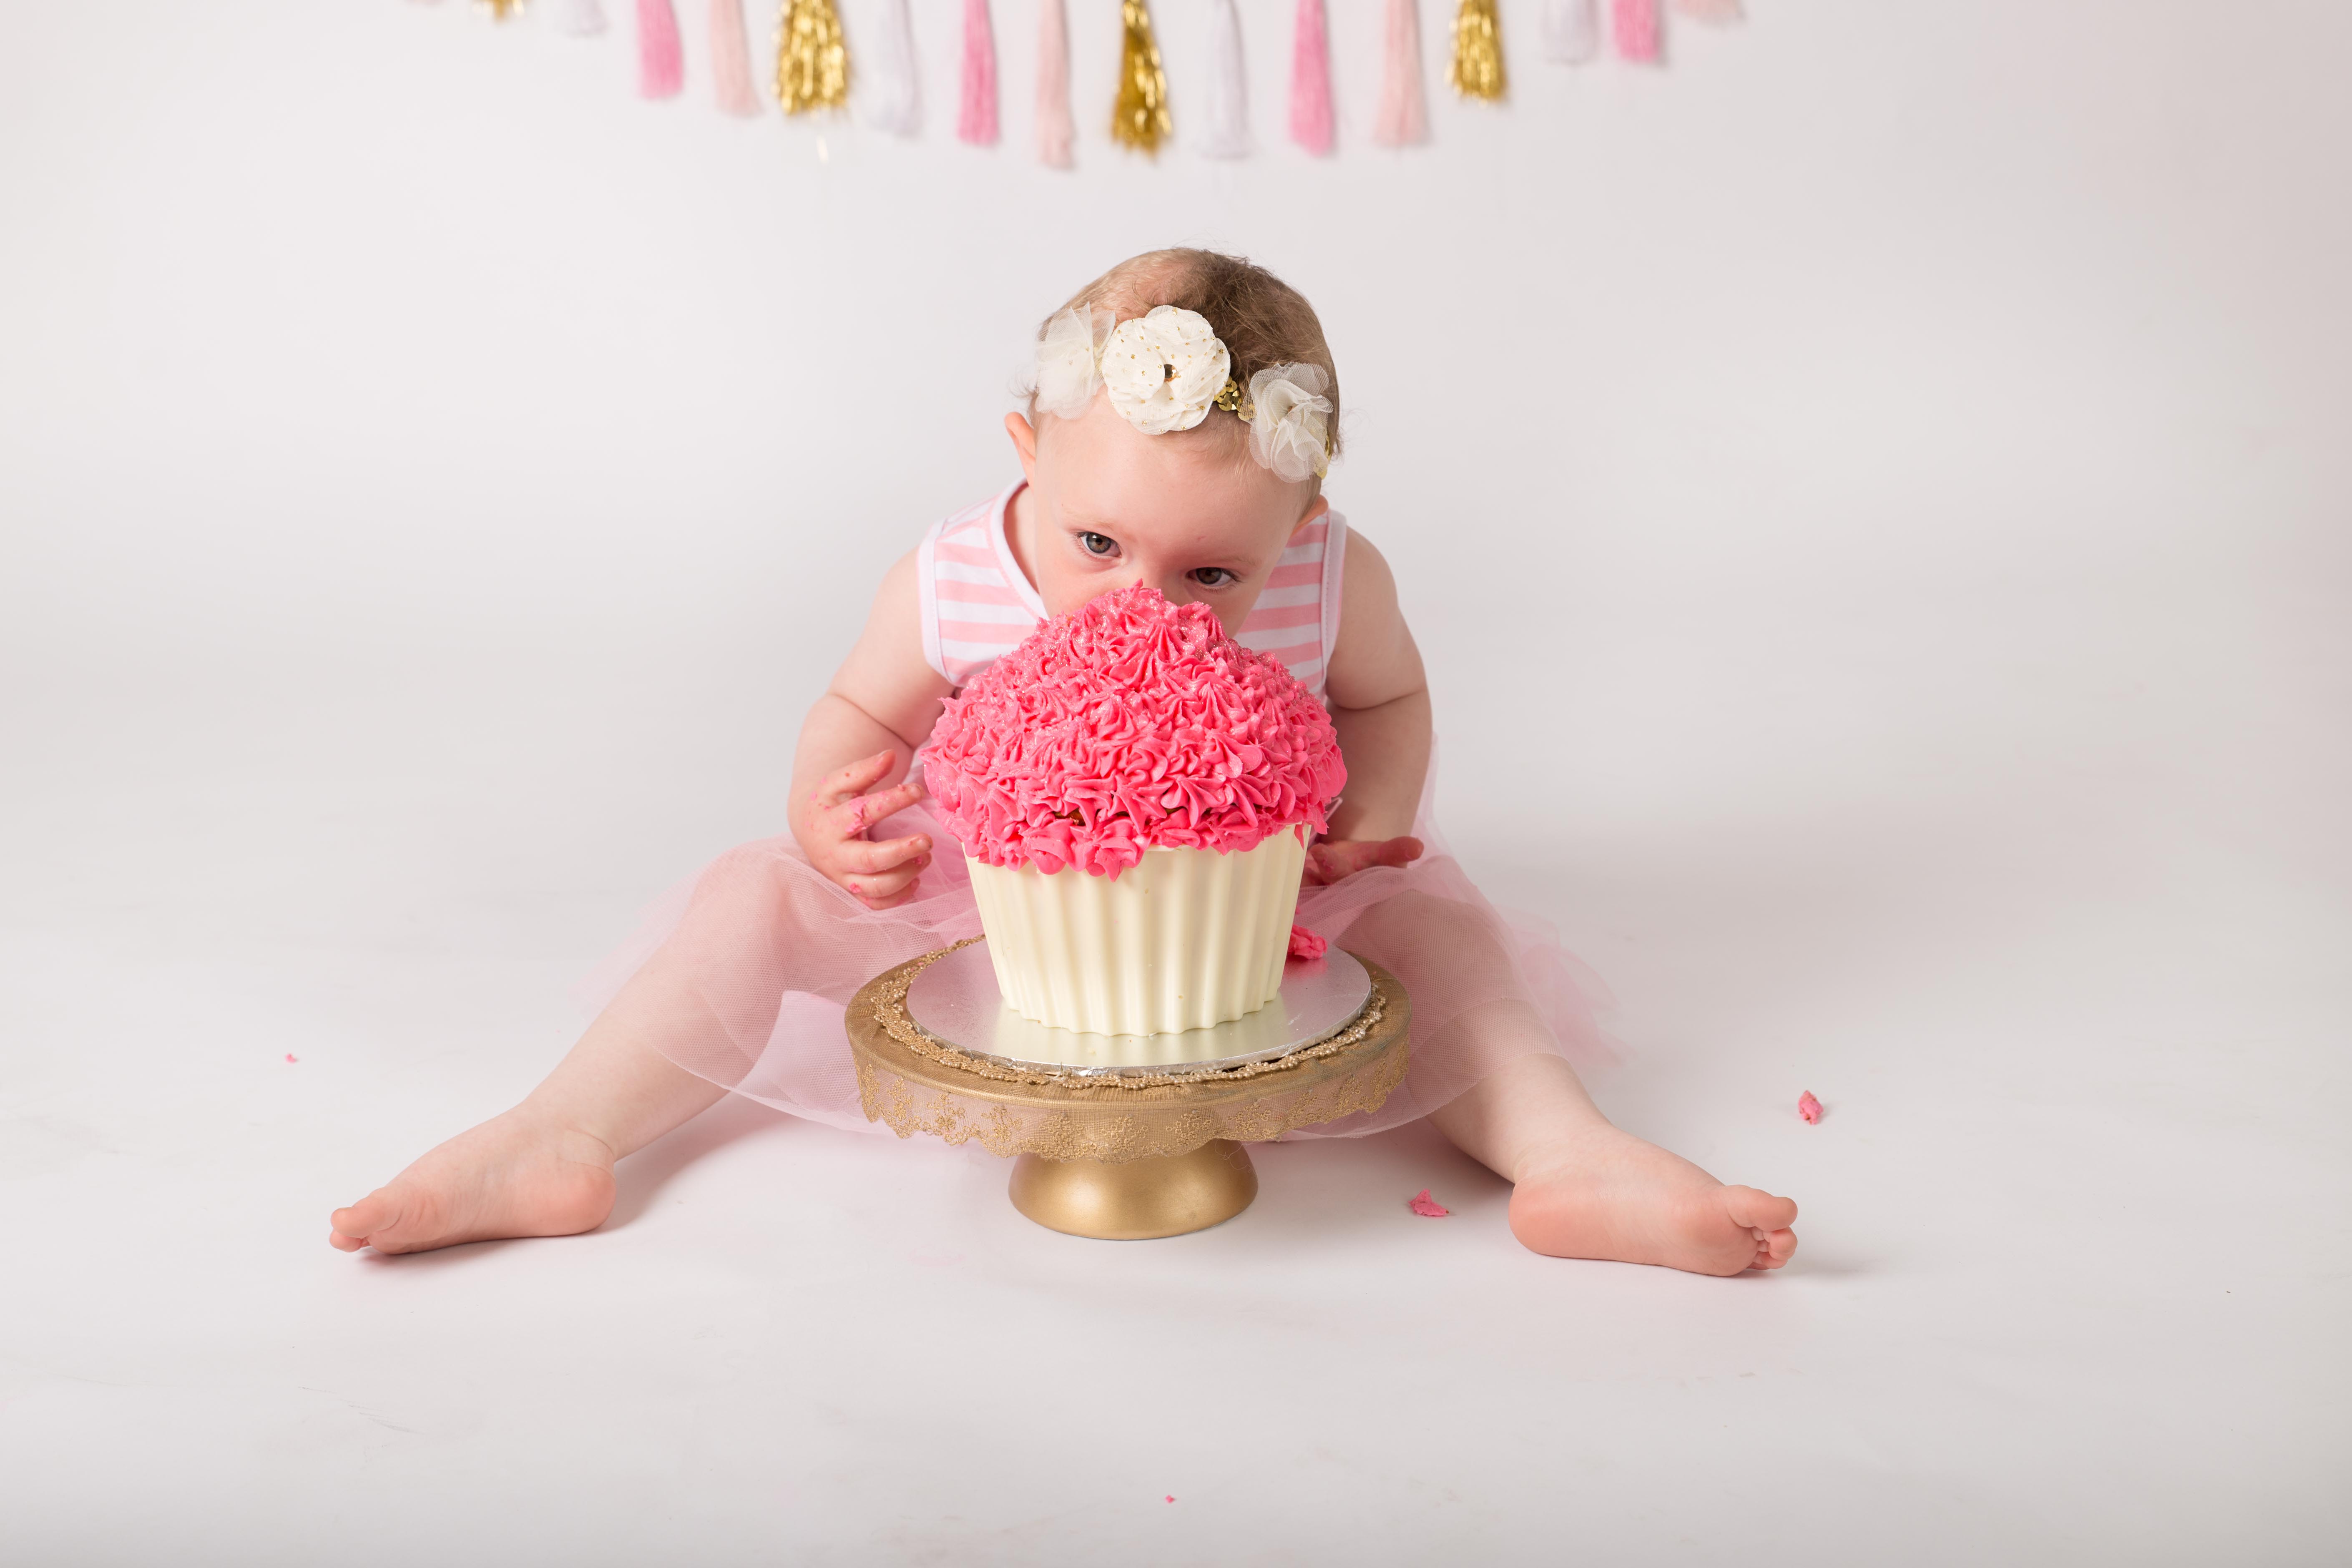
(977, 606)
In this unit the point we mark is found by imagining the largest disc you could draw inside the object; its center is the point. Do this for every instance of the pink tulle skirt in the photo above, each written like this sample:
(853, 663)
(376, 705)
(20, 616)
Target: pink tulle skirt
(741, 974)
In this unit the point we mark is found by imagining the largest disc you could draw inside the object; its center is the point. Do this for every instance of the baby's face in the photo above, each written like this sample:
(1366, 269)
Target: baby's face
(1184, 513)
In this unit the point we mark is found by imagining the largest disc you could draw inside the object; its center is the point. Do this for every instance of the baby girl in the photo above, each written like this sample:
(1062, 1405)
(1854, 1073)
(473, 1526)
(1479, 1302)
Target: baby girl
(1180, 434)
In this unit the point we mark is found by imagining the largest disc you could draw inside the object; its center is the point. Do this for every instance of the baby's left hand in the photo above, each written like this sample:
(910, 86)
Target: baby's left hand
(1329, 859)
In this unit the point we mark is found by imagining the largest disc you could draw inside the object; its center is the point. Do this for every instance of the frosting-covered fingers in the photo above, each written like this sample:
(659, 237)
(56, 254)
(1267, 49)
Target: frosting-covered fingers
(852, 818)
(842, 784)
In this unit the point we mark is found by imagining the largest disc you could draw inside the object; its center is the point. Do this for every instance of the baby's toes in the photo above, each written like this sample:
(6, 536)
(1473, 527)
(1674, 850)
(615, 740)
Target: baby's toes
(1779, 1245)
(371, 1221)
(1759, 1210)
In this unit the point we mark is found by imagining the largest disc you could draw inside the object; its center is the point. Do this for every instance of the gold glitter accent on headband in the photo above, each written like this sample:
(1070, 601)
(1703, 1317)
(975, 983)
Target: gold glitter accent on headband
(1140, 118)
(1476, 68)
(812, 59)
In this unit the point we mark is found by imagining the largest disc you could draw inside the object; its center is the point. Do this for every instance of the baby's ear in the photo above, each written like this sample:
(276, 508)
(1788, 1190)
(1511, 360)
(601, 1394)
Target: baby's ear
(1315, 509)
(1025, 443)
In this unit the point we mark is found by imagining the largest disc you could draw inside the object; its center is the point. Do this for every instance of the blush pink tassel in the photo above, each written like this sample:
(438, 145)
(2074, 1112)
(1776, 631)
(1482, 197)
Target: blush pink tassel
(1311, 81)
(731, 59)
(661, 64)
(1056, 131)
(1403, 117)
(1637, 30)
(977, 122)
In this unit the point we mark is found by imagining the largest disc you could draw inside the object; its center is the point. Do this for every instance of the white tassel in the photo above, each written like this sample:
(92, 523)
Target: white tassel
(576, 18)
(898, 100)
(1228, 136)
(1572, 31)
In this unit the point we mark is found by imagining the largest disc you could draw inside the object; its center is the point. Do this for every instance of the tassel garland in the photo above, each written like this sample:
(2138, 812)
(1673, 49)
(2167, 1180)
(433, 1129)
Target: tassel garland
(661, 62)
(812, 67)
(1228, 100)
(1572, 31)
(896, 96)
(731, 59)
(976, 122)
(1476, 68)
(1637, 30)
(1055, 129)
(811, 60)
(577, 18)
(1311, 81)
(1402, 120)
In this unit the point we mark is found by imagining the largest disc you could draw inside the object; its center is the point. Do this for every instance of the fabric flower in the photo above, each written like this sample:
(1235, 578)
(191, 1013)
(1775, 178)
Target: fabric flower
(1164, 369)
(1070, 356)
(1290, 421)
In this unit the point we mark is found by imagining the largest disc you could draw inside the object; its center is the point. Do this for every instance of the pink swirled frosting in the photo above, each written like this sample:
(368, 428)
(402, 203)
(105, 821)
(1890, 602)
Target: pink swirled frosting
(1131, 725)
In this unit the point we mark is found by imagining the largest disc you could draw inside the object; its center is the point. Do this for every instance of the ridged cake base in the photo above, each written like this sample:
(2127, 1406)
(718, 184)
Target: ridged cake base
(1188, 939)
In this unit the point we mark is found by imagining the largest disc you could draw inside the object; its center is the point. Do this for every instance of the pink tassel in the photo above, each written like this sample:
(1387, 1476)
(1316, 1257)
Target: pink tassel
(1637, 30)
(1055, 131)
(661, 63)
(731, 59)
(1311, 81)
(977, 122)
(1403, 117)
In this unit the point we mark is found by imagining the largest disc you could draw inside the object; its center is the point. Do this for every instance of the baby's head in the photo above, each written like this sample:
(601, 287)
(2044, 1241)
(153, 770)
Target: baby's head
(1182, 448)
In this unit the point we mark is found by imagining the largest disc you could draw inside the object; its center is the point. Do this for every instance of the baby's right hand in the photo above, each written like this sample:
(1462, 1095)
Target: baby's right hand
(833, 834)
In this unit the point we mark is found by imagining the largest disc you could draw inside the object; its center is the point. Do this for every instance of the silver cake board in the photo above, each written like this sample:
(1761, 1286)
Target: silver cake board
(956, 1000)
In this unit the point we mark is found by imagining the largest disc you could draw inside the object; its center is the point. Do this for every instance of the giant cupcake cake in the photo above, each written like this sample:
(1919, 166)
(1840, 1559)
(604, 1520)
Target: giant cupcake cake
(1134, 792)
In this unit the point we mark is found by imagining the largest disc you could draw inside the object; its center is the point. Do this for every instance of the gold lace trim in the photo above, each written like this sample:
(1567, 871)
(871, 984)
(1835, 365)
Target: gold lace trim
(890, 1012)
(1114, 1138)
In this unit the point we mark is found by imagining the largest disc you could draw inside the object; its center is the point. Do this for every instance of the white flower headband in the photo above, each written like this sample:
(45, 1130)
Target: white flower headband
(1167, 369)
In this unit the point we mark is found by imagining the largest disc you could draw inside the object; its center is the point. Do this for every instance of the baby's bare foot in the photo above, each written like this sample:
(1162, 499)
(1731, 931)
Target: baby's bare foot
(1605, 1194)
(517, 1175)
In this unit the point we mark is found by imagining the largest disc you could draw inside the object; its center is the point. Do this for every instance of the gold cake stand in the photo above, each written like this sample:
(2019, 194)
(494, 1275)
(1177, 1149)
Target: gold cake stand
(1124, 1159)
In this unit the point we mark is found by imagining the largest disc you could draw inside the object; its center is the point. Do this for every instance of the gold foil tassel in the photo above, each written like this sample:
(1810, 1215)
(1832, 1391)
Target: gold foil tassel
(501, 10)
(1140, 118)
(1476, 68)
(812, 59)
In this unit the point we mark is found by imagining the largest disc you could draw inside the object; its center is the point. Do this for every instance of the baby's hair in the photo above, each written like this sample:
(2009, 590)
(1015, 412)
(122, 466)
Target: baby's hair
(1262, 321)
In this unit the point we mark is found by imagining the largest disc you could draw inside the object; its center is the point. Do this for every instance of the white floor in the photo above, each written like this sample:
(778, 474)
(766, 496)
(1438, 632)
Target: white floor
(2071, 1286)
(1874, 499)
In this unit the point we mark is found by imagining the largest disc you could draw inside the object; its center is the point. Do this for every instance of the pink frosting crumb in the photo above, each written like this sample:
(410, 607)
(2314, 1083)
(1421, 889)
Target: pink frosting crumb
(1808, 1107)
(1130, 724)
(1305, 943)
(1426, 1206)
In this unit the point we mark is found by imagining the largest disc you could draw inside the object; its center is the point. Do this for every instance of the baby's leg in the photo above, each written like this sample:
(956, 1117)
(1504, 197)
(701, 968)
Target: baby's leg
(545, 1168)
(1582, 1188)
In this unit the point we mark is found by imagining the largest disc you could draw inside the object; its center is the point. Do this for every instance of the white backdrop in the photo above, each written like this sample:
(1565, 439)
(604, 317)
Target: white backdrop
(1874, 499)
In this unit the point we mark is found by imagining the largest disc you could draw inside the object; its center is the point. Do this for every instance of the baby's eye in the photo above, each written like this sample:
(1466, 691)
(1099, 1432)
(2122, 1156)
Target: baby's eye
(1212, 577)
(1098, 544)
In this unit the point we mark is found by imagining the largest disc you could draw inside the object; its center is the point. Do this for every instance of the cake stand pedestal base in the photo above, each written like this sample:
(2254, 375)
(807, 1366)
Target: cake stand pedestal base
(1170, 1194)
(1133, 1155)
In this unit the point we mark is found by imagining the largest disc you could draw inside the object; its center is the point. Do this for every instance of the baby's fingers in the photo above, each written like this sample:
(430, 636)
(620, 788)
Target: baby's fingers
(852, 818)
(866, 858)
(882, 890)
(858, 777)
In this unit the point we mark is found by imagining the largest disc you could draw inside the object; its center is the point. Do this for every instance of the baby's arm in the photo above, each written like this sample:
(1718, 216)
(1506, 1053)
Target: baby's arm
(1378, 696)
(861, 736)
